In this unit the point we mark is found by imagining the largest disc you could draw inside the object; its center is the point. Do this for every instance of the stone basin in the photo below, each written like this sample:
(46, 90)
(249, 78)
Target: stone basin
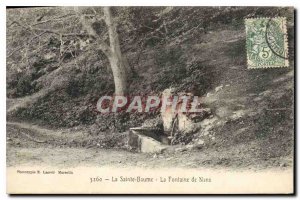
(146, 140)
(146, 131)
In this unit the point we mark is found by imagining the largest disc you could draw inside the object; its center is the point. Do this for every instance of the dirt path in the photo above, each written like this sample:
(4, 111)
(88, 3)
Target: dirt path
(55, 150)
(46, 132)
(14, 104)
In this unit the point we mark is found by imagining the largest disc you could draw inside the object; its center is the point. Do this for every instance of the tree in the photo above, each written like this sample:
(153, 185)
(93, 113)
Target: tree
(118, 62)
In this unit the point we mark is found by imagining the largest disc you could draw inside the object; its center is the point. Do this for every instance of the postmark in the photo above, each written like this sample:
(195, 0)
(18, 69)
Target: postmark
(266, 42)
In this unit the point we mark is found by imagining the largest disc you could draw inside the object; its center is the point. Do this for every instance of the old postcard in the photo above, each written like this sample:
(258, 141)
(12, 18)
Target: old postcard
(150, 100)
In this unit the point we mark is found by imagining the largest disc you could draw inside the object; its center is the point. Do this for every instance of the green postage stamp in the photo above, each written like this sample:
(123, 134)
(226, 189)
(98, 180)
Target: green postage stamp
(266, 42)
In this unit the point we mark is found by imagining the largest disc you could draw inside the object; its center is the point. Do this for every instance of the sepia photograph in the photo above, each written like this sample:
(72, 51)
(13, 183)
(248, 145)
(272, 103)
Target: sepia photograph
(150, 100)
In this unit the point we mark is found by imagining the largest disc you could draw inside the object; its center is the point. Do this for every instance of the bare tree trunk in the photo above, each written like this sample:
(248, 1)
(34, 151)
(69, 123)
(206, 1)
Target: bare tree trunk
(120, 75)
(119, 64)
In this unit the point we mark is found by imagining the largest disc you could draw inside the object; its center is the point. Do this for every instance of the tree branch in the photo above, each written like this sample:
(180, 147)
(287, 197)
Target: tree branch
(88, 26)
(48, 30)
(54, 19)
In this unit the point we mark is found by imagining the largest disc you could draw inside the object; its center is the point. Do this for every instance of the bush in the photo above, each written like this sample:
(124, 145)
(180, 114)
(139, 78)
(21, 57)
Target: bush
(24, 85)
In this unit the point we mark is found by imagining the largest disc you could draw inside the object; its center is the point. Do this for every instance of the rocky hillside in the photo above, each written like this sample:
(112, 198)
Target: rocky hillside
(199, 50)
